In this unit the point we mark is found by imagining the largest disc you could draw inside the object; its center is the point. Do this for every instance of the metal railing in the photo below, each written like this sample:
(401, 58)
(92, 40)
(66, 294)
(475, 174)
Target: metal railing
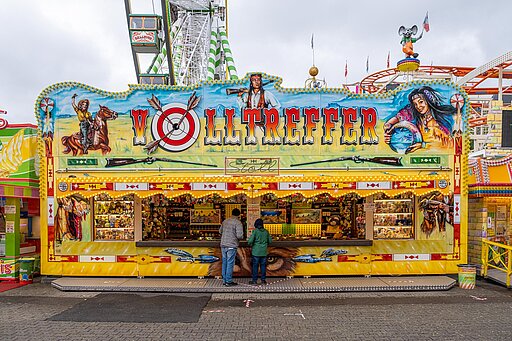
(497, 256)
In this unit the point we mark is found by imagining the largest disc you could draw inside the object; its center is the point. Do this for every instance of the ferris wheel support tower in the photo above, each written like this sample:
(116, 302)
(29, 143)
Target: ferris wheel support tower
(191, 44)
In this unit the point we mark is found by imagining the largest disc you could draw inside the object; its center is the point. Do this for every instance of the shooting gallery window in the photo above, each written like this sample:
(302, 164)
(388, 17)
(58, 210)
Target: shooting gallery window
(113, 218)
(165, 219)
(290, 218)
(187, 218)
(321, 217)
(393, 218)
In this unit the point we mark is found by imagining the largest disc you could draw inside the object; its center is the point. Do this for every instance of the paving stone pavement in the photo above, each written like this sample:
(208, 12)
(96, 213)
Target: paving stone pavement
(456, 314)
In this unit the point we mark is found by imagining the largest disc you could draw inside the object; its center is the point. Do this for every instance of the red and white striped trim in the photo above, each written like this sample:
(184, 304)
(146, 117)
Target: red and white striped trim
(372, 185)
(131, 186)
(298, 186)
(208, 186)
(411, 256)
(97, 259)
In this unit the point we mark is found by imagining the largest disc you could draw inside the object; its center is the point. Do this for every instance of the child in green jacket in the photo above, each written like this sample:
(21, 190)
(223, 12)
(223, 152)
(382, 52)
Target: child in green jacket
(259, 240)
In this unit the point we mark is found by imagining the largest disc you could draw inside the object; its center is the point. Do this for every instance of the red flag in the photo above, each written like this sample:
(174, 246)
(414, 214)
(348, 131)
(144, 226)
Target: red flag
(388, 63)
(346, 69)
(426, 25)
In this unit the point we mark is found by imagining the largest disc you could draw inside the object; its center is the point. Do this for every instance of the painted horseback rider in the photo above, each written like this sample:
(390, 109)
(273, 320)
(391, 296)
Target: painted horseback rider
(85, 119)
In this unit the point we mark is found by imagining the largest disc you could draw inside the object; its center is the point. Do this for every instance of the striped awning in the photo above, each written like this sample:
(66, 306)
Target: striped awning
(18, 192)
(200, 187)
(490, 190)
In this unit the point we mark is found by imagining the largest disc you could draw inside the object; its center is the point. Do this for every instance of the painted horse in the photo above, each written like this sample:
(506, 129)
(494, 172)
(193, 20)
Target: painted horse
(98, 134)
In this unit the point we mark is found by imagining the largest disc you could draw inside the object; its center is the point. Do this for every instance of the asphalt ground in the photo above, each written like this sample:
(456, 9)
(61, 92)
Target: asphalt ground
(136, 308)
(41, 312)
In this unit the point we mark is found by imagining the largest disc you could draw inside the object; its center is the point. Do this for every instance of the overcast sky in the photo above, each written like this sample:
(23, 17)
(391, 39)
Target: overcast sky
(50, 41)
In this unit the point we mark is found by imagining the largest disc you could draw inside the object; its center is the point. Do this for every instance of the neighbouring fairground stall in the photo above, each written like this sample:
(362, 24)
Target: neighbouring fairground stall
(137, 183)
(19, 201)
(490, 202)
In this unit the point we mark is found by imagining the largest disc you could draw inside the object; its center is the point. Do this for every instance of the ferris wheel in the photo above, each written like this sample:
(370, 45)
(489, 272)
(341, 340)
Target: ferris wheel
(191, 34)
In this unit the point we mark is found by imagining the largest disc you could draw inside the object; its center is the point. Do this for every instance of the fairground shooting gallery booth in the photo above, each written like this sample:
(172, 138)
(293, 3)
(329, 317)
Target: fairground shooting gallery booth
(137, 183)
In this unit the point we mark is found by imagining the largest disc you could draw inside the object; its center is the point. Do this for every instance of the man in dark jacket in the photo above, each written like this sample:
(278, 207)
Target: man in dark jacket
(259, 240)
(231, 231)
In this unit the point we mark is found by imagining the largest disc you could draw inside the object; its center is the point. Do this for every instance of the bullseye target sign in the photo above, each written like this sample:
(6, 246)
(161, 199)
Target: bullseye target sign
(175, 128)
